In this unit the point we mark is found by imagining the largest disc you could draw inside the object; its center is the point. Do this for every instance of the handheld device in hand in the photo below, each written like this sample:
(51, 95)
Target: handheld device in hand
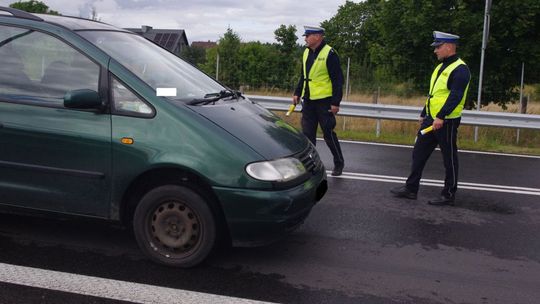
(291, 109)
(426, 130)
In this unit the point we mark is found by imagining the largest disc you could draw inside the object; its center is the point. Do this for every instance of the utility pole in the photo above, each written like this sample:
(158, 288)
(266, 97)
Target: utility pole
(521, 86)
(347, 79)
(521, 96)
(347, 90)
(484, 45)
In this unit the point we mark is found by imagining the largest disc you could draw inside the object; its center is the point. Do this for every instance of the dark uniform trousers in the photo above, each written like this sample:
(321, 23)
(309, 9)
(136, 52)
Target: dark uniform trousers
(445, 138)
(318, 112)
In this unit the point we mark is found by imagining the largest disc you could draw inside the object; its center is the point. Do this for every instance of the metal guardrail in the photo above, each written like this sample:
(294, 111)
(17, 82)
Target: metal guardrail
(380, 111)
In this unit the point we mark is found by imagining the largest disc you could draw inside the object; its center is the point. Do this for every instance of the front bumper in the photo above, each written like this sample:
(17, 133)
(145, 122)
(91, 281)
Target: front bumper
(258, 217)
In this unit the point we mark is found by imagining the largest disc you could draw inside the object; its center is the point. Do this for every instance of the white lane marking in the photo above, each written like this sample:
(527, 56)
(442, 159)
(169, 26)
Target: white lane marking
(107, 288)
(440, 183)
(402, 179)
(410, 147)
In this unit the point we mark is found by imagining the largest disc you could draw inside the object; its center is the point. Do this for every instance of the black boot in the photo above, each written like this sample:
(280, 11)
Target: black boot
(403, 192)
(442, 201)
(338, 169)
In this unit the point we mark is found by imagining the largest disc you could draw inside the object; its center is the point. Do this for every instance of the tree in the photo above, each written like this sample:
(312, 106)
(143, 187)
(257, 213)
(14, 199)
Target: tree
(514, 36)
(289, 57)
(350, 32)
(348, 28)
(33, 6)
(228, 50)
(390, 41)
(209, 66)
(405, 32)
(257, 64)
(286, 38)
(194, 55)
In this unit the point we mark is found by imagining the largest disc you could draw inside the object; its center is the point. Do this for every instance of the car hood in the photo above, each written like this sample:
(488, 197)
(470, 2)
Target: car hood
(257, 127)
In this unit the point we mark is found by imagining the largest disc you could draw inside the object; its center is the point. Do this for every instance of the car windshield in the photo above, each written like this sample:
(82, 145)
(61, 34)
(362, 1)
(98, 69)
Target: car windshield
(154, 65)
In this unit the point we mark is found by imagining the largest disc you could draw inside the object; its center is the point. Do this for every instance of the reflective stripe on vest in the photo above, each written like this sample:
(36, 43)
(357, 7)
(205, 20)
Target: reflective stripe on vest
(320, 85)
(439, 92)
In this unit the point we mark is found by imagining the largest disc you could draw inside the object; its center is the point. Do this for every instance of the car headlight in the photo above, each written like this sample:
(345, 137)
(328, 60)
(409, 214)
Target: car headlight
(280, 170)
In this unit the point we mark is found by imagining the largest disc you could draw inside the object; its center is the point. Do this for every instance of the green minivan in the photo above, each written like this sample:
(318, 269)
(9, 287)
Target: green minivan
(96, 121)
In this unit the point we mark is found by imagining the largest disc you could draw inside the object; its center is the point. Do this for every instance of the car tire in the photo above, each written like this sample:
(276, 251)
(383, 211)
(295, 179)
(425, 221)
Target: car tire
(174, 226)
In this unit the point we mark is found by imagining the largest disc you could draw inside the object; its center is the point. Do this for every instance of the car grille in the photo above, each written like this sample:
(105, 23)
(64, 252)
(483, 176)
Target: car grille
(310, 158)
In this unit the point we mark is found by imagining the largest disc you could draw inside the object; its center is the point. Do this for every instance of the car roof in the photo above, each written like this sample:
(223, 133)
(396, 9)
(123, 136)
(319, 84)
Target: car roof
(69, 22)
(77, 24)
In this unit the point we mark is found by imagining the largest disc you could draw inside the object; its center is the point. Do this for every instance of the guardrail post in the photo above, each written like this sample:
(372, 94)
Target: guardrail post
(523, 110)
(347, 90)
(344, 123)
(524, 104)
(376, 96)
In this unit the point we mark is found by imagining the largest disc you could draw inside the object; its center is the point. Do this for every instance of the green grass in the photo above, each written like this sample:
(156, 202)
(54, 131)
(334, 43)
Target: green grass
(483, 144)
(490, 139)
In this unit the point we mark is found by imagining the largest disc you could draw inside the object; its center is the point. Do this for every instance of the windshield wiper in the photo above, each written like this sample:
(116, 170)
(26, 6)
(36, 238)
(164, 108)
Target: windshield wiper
(213, 97)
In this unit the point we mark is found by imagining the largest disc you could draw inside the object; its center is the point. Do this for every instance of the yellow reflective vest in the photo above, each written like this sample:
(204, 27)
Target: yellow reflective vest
(320, 85)
(439, 92)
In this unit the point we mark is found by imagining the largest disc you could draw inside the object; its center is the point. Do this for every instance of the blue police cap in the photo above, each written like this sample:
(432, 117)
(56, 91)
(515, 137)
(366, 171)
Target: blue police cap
(442, 37)
(308, 30)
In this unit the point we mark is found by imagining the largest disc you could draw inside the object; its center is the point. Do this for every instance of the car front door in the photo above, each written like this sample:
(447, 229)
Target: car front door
(51, 157)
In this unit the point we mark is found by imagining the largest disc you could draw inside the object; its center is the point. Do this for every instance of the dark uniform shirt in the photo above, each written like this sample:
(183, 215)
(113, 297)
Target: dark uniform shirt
(457, 83)
(334, 71)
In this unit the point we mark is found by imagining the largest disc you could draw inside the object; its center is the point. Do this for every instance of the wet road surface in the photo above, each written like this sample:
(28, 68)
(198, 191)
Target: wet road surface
(359, 245)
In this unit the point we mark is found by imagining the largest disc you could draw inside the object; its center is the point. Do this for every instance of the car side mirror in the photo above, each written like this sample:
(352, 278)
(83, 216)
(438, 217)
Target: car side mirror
(82, 99)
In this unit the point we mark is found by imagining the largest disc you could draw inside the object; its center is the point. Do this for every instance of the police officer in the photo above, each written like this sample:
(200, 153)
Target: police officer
(320, 87)
(447, 94)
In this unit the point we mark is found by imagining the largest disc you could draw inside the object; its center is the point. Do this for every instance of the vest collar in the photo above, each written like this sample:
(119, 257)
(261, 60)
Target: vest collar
(448, 60)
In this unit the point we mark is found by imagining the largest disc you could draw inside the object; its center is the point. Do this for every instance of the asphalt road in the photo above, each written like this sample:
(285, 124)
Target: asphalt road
(359, 245)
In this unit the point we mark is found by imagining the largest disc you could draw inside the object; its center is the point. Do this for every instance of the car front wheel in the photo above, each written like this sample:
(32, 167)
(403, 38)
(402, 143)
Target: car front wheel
(174, 226)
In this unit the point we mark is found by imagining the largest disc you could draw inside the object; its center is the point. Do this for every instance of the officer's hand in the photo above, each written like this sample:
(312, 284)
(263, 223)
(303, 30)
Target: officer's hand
(334, 109)
(437, 123)
(295, 99)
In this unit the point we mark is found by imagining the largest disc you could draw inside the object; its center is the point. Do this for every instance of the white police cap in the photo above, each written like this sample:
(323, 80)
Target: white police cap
(312, 30)
(442, 37)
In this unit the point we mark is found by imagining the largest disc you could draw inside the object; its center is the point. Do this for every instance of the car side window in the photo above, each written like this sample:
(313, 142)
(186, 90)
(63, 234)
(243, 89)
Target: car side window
(126, 102)
(39, 68)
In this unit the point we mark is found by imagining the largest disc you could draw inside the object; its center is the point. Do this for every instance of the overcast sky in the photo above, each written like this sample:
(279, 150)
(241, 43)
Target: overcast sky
(204, 20)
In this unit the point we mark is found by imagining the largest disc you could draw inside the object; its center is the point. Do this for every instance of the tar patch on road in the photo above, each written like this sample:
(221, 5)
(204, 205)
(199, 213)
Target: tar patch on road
(485, 205)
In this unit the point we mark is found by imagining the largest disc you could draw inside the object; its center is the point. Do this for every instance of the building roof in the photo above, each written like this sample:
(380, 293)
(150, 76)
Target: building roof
(204, 44)
(167, 38)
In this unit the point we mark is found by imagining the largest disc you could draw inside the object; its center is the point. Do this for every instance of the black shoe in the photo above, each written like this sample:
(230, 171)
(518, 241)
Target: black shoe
(442, 201)
(403, 192)
(338, 169)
